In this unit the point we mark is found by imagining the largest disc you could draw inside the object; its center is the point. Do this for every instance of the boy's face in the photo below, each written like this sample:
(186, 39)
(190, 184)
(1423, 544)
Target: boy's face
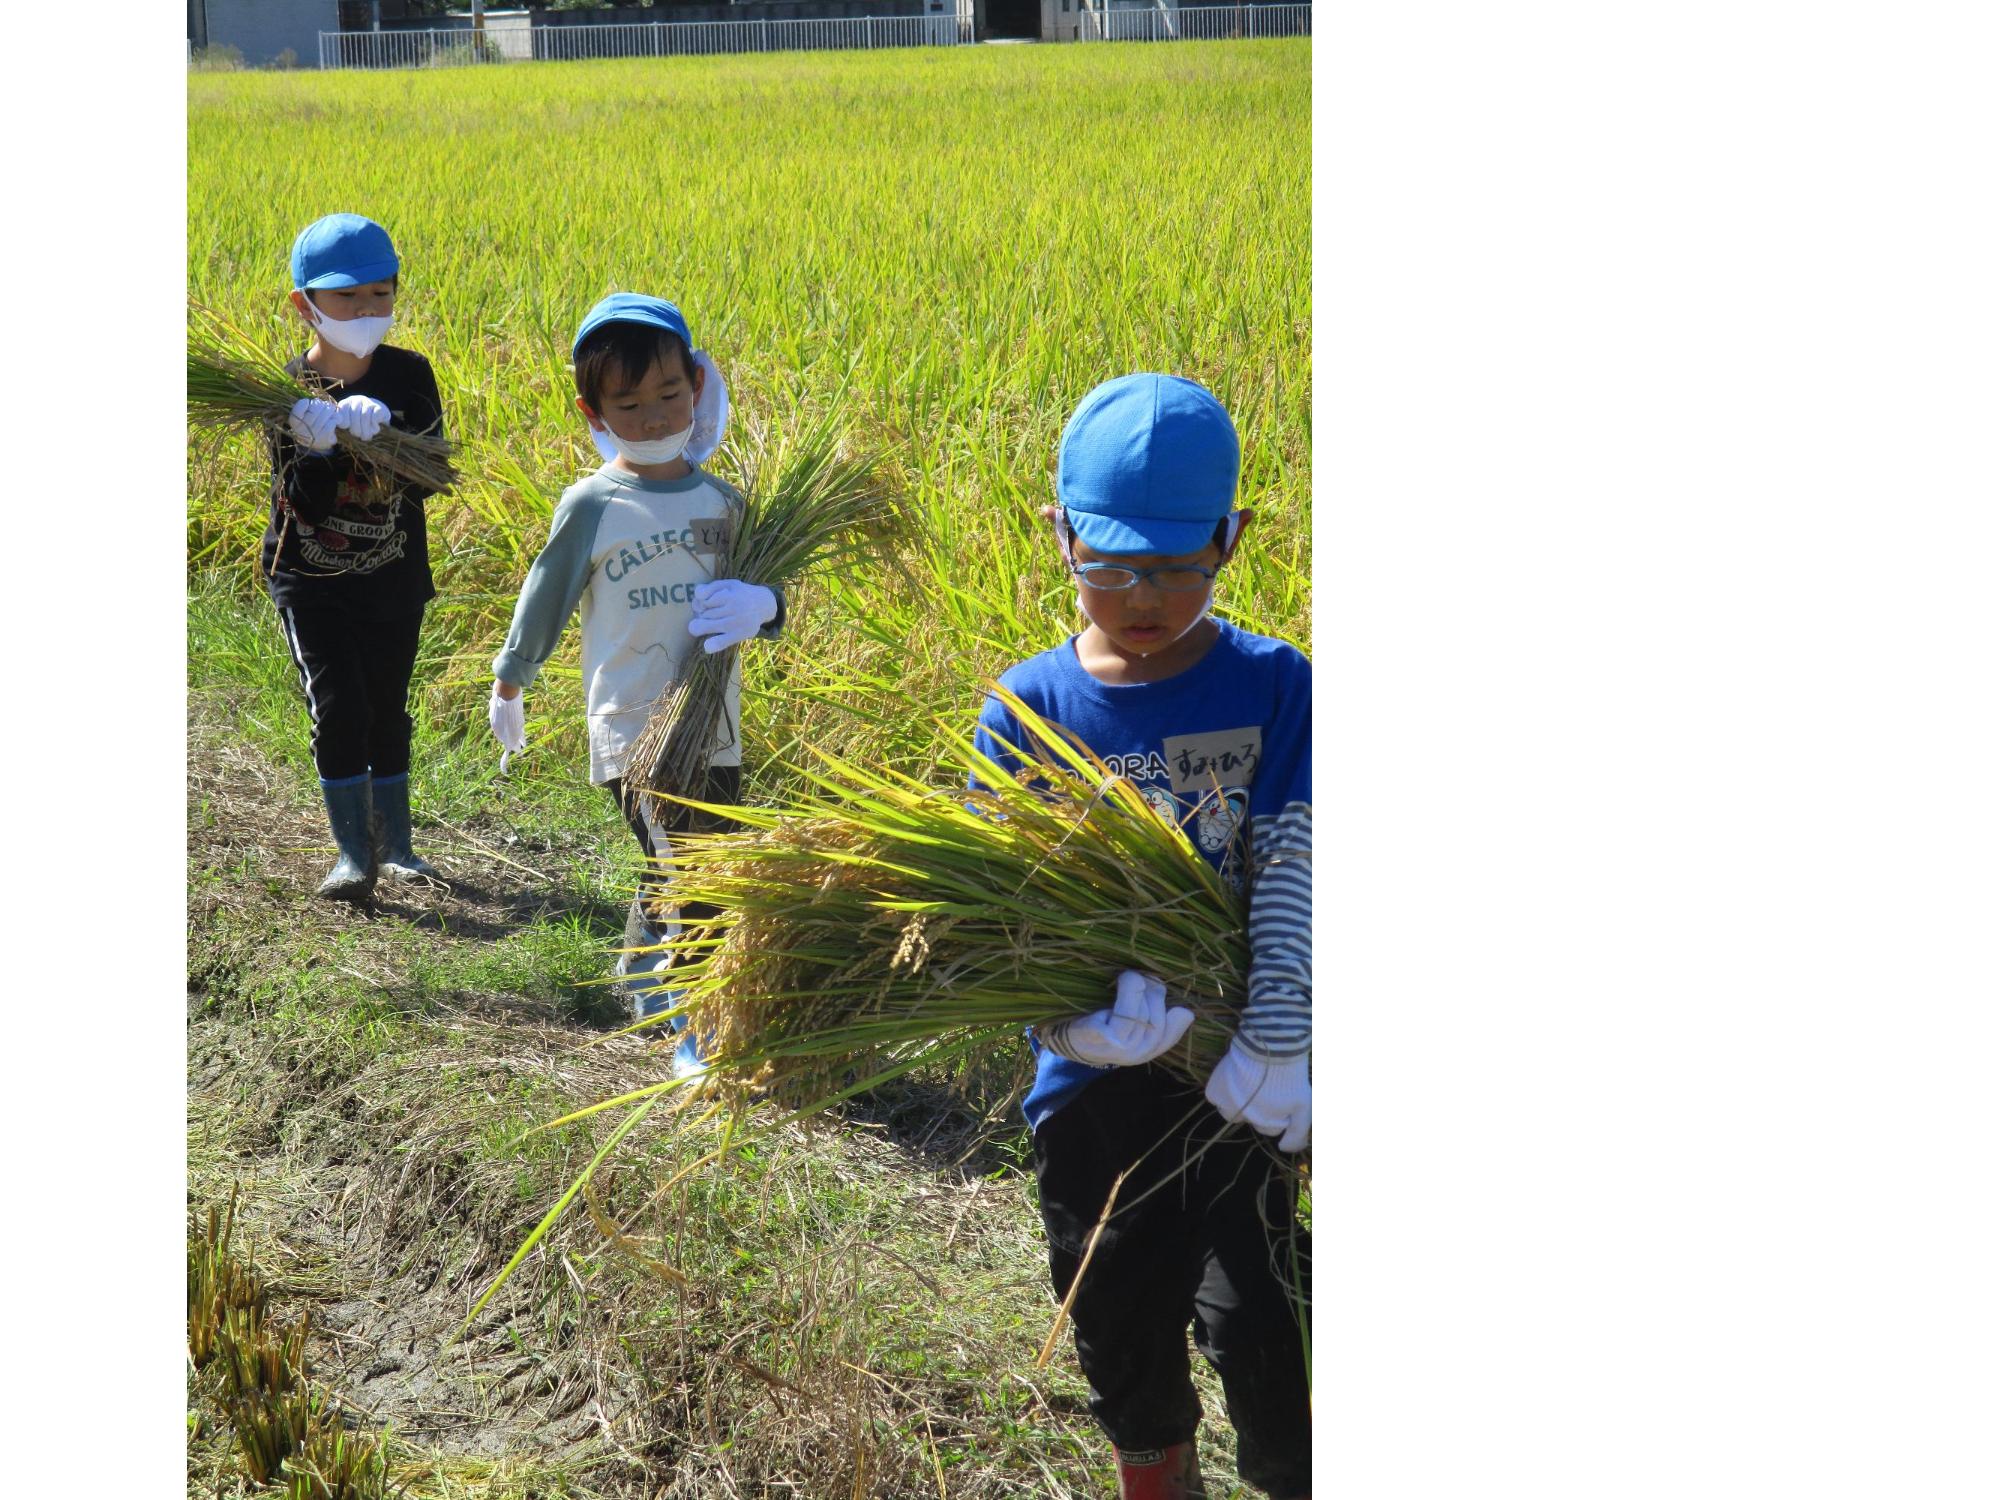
(1145, 620)
(377, 299)
(657, 405)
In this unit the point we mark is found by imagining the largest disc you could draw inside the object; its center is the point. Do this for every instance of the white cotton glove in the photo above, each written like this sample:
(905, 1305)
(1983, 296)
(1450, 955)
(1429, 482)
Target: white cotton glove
(363, 416)
(730, 611)
(1274, 1098)
(508, 719)
(1138, 1027)
(313, 422)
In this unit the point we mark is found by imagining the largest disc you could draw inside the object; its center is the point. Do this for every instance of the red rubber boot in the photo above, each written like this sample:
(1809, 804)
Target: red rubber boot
(1160, 1474)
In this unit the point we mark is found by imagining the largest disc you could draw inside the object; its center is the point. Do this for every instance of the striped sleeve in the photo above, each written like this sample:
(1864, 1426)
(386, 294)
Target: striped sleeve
(1277, 1021)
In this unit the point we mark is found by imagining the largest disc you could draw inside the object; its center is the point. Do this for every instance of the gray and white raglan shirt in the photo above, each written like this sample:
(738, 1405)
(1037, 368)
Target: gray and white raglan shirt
(1224, 749)
(631, 551)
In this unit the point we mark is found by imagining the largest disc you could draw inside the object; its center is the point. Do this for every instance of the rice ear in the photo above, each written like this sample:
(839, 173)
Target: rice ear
(873, 922)
(235, 385)
(808, 505)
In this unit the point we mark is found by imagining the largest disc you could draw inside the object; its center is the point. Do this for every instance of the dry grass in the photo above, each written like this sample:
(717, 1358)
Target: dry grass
(846, 1311)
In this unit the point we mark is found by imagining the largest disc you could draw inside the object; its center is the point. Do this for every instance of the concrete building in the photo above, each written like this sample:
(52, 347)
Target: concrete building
(1049, 20)
(264, 30)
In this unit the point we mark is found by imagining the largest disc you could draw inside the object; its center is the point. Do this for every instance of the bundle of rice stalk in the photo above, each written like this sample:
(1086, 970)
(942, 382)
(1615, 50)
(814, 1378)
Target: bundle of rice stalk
(808, 506)
(235, 386)
(874, 924)
(877, 924)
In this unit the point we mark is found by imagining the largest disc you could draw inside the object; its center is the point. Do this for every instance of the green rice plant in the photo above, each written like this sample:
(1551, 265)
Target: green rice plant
(809, 506)
(233, 385)
(849, 238)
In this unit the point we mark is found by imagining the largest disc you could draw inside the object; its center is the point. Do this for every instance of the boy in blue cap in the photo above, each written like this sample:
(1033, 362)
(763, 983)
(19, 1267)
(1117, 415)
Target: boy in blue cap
(346, 556)
(635, 543)
(1213, 725)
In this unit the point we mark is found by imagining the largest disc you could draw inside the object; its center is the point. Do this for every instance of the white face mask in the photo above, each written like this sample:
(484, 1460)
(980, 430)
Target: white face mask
(665, 451)
(357, 336)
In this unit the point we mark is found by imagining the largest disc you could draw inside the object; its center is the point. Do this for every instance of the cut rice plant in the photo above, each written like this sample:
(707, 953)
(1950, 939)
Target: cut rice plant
(217, 1283)
(879, 923)
(272, 1430)
(256, 1362)
(874, 923)
(234, 385)
(336, 1464)
(809, 505)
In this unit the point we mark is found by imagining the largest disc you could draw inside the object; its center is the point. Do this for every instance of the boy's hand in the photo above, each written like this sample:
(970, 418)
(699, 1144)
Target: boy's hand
(1137, 1028)
(508, 719)
(1274, 1098)
(730, 611)
(363, 416)
(312, 423)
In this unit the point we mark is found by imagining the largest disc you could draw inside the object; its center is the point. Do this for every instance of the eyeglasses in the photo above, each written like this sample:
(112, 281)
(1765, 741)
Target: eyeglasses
(1173, 578)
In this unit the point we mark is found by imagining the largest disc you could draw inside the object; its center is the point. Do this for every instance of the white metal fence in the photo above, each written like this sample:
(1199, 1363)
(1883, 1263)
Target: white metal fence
(1194, 23)
(451, 48)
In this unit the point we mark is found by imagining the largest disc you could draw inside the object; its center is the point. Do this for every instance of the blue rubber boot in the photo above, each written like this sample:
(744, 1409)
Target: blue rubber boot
(353, 877)
(392, 831)
(646, 989)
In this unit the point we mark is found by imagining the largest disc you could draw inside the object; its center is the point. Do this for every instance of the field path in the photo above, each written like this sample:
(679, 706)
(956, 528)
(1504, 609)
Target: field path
(359, 1192)
(362, 1079)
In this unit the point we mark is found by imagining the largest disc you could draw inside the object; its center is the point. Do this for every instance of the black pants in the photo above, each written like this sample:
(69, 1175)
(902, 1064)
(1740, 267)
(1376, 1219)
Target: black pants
(1205, 1232)
(655, 900)
(356, 673)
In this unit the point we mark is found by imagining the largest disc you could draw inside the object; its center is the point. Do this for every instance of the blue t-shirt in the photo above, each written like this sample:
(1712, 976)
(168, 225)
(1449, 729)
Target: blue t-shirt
(1224, 744)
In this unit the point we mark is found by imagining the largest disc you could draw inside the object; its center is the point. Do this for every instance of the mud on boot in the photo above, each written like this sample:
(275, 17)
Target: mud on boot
(353, 876)
(391, 823)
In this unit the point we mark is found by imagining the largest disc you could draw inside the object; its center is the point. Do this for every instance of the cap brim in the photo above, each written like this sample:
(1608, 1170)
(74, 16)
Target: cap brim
(381, 270)
(1141, 536)
(644, 318)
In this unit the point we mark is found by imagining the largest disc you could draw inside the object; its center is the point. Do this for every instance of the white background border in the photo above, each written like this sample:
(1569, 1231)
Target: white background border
(1655, 511)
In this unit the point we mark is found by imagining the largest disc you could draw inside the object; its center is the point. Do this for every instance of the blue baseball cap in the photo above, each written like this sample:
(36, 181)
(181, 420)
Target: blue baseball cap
(1147, 466)
(632, 307)
(342, 250)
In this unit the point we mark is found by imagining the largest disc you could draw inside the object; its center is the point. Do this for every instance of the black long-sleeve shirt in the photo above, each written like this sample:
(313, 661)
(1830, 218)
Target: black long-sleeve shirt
(339, 534)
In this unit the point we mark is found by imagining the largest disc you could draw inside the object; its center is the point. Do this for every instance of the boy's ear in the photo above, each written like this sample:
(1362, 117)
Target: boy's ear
(302, 305)
(588, 415)
(700, 377)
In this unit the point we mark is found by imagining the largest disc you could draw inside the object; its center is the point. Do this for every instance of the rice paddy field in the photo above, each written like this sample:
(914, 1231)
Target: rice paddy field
(943, 249)
(951, 246)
